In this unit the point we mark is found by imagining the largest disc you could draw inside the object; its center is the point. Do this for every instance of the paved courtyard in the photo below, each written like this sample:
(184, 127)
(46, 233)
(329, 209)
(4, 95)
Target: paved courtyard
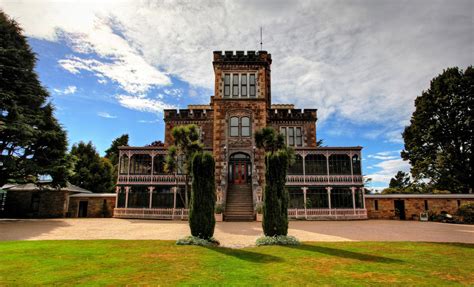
(233, 234)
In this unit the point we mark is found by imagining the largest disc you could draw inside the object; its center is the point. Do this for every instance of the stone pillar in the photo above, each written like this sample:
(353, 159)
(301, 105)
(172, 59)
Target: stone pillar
(353, 190)
(150, 190)
(127, 189)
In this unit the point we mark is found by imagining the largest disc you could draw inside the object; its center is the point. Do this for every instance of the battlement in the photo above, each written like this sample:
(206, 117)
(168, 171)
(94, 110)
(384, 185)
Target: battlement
(282, 106)
(242, 57)
(188, 114)
(292, 114)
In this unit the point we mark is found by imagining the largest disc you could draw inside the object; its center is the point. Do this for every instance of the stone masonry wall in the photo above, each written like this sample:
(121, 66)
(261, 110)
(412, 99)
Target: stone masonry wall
(413, 206)
(95, 206)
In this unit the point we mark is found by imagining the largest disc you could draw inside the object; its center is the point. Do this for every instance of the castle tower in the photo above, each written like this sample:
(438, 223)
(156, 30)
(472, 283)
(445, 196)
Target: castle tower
(241, 99)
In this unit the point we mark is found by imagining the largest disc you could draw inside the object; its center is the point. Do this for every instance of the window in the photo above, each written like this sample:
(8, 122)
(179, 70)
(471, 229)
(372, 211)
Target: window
(459, 203)
(240, 126)
(235, 85)
(376, 204)
(315, 164)
(293, 136)
(339, 164)
(243, 85)
(227, 85)
(234, 126)
(252, 86)
(426, 204)
(356, 165)
(245, 126)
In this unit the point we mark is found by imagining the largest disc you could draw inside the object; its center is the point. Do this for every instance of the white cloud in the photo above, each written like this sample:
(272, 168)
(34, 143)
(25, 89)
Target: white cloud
(66, 91)
(143, 104)
(363, 62)
(106, 115)
(388, 169)
(149, 122)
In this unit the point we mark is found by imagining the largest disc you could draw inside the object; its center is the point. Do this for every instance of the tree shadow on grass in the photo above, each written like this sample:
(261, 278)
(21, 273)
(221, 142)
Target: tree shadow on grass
(345, 253)
(250, 256)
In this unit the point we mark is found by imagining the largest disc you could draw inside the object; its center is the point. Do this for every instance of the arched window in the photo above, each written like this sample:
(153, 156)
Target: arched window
(315, 164)
(245, 122)
(159, 164)
(339, 164)
(297, 167)
(234, 126)
(124, 164)
(356, 165)
(239, 126)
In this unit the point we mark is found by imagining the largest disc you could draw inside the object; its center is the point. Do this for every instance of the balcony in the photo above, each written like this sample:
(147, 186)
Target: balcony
(324, 180)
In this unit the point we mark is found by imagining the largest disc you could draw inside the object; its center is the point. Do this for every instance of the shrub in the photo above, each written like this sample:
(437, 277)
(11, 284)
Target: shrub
(259, 208)
(275, 208)
(192, 240)
(219, 209)
(203, 196)
(277, 240)
(466, 211)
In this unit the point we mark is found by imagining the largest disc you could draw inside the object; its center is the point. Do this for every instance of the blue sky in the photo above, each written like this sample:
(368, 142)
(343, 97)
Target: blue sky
(113, 66)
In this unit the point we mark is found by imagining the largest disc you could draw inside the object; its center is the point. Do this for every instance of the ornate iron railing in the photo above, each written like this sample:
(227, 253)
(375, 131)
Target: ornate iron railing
(152, 213)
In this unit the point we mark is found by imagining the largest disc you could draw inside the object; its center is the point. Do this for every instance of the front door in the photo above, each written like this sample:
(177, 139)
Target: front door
(240, 172)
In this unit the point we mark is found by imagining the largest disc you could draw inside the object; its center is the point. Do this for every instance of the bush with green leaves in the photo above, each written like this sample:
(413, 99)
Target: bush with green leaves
(203, 196)
(192, 240)
(466, 211)
(277, 240)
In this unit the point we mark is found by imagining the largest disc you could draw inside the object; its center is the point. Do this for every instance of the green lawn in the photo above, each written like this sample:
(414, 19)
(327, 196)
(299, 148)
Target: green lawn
(114, 262)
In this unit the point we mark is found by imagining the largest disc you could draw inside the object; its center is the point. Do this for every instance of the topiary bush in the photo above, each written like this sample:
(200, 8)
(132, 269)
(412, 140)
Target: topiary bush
(277, 240)
(466, 211)
(203, 196)
(275, 207)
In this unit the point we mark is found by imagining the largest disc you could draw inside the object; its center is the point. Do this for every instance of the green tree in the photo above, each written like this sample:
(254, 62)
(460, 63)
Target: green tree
(180, 155)
(278, 158)
(203, 196)
(438, 141)
(400, 181)
(112, 153)
(91, 171)
(32, 142)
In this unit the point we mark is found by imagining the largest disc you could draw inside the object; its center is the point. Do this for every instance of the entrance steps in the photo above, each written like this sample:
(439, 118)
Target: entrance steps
(239, 203)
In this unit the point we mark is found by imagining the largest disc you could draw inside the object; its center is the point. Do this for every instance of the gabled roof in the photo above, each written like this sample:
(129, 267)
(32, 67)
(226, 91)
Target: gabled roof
(36, 187)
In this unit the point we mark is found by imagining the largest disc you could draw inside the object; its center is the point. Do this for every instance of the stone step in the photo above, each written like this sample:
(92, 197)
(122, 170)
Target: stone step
(239, 218)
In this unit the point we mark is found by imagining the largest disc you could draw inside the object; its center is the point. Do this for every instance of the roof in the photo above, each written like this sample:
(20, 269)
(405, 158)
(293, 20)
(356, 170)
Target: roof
(426, 195)
(35, 187)
(94, 195)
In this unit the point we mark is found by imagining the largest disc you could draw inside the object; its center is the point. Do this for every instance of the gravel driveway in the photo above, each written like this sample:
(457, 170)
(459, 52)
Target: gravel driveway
(233, 234)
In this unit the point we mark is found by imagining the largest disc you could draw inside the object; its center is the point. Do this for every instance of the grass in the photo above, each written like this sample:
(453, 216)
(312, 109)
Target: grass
(115, 262)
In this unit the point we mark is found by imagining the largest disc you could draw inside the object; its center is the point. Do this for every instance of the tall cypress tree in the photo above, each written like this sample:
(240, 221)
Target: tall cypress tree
(203, 196)
(32, 142)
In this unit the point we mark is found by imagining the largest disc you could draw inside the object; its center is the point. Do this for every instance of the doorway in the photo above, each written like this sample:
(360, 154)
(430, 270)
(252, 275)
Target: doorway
(400, 208)
(240, 168)
(82, 209)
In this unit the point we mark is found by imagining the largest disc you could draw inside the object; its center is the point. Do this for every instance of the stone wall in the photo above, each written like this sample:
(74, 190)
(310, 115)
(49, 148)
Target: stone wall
(96, 206)
(413, 206)
(48, 204)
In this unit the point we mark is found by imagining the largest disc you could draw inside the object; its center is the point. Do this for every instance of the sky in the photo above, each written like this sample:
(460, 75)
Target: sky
(111, 67)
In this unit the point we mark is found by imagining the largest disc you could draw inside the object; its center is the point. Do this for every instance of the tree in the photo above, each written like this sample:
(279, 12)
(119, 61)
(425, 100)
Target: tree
(112, 153)
(32, 142)
(400, 181)
(438, 141)
(180, 155)
(91, 171)
(203, 196)
(275, 200)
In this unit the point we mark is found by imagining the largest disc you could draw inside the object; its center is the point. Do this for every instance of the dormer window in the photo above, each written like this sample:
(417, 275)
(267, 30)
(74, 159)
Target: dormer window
(240, 85)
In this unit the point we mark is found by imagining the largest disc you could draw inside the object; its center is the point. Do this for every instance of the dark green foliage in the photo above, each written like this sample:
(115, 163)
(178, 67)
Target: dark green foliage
(275, 199)
(466, 211)
(186, 144)
(91, 171)
(203, 196)
(32, 142)
(400, 181)
(438, 141)
(269, 139)
(112, 153)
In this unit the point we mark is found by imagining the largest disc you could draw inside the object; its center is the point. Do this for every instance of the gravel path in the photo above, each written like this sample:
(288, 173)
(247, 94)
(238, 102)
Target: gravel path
(233, 234)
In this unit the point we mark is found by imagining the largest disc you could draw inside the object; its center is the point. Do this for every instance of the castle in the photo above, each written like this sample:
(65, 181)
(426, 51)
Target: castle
(324, 182)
